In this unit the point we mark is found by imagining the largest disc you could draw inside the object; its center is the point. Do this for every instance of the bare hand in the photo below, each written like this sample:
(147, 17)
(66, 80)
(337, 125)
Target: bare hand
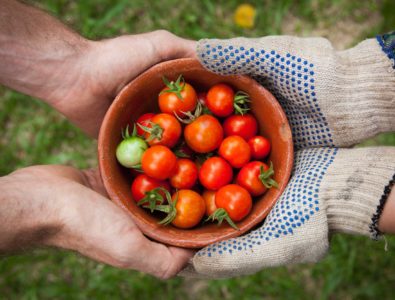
(104, 67)
(68, 208)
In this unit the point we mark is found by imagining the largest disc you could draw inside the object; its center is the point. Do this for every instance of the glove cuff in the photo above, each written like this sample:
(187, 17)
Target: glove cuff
(360, 100)
(355, 195)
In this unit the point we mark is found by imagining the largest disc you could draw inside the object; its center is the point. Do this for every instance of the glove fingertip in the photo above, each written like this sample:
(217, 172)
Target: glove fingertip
(222, 57)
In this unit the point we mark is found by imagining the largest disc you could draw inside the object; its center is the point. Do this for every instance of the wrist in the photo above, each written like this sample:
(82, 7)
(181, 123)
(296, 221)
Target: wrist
(69, 75)
(352, 190)
(27, 219)
(364, 85)
(79, 92)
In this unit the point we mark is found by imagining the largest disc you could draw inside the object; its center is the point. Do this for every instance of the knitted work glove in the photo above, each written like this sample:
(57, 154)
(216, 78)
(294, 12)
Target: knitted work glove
(331, 190)
(331, 99)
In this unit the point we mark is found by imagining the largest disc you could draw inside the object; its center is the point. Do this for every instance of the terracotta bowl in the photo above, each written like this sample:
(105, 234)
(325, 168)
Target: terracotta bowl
(139, 97)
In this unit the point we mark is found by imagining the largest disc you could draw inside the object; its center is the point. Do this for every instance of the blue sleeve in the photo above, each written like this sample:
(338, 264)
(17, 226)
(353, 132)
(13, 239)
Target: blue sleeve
(387, 43)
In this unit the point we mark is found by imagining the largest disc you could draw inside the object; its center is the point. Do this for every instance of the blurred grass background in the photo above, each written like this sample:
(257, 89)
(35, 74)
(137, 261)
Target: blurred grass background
(33, 133)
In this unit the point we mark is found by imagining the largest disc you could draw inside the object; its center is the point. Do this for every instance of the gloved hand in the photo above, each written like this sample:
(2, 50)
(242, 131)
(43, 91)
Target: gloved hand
(331, 99)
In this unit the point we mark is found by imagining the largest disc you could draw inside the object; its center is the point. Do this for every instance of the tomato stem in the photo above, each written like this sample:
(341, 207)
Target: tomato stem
(220, 215)
(190, 117)
(169, 209)
(179, 151)
(241, 102)
(181, 154)
(137, 168)
(125, 133)
(266, 177)
(152, 198)
(174, 87)
(155, 131)
(202, 157)
(163, 208)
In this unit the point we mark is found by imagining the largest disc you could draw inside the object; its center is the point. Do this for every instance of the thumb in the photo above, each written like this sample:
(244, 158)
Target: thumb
(125, 57)
(157, 259)
(168, 46)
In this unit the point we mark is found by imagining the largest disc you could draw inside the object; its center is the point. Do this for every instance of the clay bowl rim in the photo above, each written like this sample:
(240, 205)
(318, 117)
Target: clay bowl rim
(168, 236)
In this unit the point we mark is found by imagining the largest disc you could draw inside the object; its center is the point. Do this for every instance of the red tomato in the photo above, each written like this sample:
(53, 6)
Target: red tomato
(215, 173)
(143, 120)
(220, 100)
(253, 176)
(190, 207)
(209, 198)
(204, 134)
(202, 98)
(158, 162)
(164, 130)
(143, 184)
(260, 147)
(185, 175)
(245, 126)
(170, 103)
(235, 150)
(235, 200)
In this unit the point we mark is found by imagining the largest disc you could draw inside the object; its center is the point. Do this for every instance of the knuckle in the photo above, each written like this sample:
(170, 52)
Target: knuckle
(163, 33)
(167, 272)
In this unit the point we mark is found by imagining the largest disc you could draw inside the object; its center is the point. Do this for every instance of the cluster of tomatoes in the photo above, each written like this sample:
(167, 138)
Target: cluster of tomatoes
(201, 155)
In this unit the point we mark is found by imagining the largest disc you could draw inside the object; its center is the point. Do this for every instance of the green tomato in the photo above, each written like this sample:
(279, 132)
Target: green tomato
(130, 151)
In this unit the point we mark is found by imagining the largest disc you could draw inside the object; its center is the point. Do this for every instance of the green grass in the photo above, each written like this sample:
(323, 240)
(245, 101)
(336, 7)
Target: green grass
(33, 133)
(36, 134)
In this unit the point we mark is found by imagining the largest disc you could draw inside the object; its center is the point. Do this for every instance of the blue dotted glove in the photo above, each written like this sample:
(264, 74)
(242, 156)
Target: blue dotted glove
(330, 101)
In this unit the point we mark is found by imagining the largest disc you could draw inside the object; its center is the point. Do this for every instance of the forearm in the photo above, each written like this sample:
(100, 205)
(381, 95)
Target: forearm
(38, 54)
(26, 221)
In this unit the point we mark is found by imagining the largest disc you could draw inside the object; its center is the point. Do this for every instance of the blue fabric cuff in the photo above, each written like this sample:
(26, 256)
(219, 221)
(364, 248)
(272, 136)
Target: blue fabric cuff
(387, 43)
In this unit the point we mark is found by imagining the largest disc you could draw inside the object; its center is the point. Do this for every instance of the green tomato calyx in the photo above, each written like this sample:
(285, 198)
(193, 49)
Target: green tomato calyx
(154, 130)
(189, 117)
(155, 203)
(126, 133)
(153, 198)
(170, 209)
(174, 87)
(241, 102)
(220, 215)
(266, 177)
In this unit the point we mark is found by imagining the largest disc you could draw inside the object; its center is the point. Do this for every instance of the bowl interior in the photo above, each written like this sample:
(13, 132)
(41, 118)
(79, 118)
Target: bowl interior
(140, 96)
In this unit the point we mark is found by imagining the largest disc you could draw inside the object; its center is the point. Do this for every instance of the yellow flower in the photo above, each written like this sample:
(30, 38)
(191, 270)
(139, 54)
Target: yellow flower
(245, 15)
